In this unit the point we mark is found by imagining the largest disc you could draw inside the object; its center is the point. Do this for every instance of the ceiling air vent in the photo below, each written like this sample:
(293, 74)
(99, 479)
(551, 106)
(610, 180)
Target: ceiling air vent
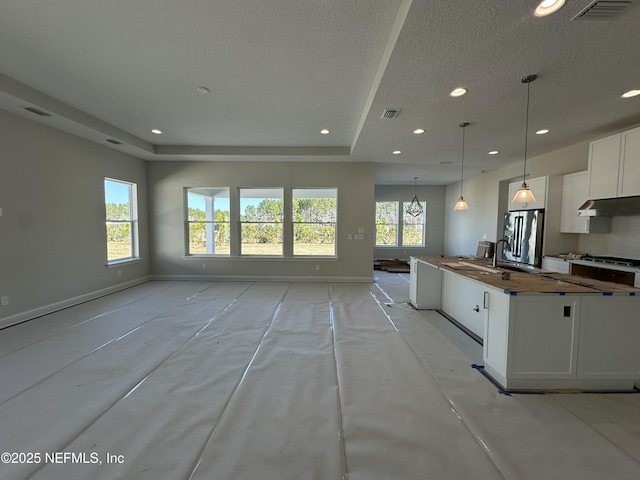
(603, 9)
(390, 113)
(115, 142)
(37, 112)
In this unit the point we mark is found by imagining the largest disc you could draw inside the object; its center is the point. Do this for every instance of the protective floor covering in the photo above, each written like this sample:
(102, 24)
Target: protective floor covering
(215, 380)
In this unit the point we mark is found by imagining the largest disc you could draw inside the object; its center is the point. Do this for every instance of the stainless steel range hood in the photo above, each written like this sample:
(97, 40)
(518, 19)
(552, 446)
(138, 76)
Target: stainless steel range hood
(610, 207)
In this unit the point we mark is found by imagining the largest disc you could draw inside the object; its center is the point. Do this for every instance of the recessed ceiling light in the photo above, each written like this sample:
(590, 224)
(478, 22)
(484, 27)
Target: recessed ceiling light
(324, 131)
(458, 92)
(202, 89)
(156, 131)
(397, 152)
(418, 131)
(494, 152)
(543, 131)
(547, 7)
(631, 93)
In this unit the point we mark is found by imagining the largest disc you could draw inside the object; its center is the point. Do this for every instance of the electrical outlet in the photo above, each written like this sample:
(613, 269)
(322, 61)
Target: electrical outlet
(4, 301)
(119, 273)
(317, 267)
(204, 266)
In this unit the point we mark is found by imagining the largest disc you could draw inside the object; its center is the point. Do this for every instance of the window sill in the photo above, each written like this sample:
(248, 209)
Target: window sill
(124, 261)
(261, 258)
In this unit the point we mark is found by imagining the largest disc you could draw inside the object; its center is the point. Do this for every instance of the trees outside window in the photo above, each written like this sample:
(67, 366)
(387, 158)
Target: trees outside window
(413, 227)
(386, 224)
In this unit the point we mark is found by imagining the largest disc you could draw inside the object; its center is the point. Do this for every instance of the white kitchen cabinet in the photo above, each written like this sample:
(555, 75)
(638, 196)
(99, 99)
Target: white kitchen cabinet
(608, 340)
(604, 162)
(614, 165)
(629, 180)
(538, 187)
(465, 301)
(425, 285)
(575, 191)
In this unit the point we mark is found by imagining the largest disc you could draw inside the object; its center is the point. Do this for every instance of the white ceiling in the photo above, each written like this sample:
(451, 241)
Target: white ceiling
(279, 71)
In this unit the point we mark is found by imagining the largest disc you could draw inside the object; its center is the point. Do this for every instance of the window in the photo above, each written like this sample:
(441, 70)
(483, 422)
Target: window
(261, 215)
(387, 224)
(121, 208)
(413, 227)
(208, 220)
(314, 221)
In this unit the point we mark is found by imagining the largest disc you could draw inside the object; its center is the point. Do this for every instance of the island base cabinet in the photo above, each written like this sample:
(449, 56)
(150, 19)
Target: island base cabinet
(610, 338)
(537, 344)
(465, 301)
(425, 287)
(577, 342)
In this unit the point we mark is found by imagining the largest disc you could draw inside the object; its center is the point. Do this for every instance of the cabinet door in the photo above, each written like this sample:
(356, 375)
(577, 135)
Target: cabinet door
(538, 187)
(543, 336)
(604, 159)
(629, 181)
(463, 299)
(575, 191)
(609, 333)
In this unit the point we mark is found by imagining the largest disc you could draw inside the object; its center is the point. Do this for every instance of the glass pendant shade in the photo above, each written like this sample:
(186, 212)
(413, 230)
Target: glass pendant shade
(415, 208)
(461, 204)
(524, 195)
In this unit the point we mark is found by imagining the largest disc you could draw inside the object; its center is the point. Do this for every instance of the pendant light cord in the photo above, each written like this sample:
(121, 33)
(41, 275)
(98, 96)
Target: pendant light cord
(463, 125)
(526, 130)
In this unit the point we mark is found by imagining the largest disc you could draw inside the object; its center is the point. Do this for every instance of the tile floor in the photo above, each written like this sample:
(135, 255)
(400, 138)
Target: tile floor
(190, 380)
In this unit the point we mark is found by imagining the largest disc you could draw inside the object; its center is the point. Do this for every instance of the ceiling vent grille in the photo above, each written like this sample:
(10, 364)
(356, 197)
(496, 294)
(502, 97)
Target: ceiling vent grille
(390, 113)
(37, 112)
(603, 10)
(115, 142)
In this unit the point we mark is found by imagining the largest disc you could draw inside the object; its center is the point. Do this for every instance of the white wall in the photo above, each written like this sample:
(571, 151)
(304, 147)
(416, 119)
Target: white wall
(434, 196)
(52, 231)
(355, 183)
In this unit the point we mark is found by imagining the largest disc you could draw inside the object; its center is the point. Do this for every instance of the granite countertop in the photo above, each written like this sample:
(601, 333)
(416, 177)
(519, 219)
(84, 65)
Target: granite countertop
(539, 282)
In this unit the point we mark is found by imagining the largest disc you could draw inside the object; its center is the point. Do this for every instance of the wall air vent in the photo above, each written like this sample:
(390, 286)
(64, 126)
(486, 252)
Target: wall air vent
(390, 113)
(115, 142)
(37, 112)
(603, 9)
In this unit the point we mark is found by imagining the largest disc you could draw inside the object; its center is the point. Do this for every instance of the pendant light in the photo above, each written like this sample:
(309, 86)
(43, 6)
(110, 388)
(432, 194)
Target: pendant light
(461, 204)
(415, 208)
(525, 195)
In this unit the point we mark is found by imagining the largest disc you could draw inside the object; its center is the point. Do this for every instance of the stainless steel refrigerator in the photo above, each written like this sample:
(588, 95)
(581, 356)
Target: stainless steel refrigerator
(523, 230)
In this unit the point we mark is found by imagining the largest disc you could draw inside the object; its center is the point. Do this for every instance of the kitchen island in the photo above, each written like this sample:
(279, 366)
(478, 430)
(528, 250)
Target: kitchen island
(541, 330)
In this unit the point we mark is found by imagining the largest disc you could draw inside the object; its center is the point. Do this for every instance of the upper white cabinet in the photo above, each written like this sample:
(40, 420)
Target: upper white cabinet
(614, 165)
(575, 191)
(538, 187)
(629, 180)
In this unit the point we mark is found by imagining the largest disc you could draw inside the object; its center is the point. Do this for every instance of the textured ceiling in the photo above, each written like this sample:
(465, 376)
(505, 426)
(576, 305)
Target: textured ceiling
(279, 71)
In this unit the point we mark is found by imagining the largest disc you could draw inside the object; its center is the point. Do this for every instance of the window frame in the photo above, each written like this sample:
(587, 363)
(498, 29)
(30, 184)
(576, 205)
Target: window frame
(396, 244)
(210, 225)
(402, 243)
(281, 216)
(333, 222)
(132, 221)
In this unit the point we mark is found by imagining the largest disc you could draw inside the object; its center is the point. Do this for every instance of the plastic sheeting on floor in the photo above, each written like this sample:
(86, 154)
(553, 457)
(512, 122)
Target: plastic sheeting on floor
(197, 380)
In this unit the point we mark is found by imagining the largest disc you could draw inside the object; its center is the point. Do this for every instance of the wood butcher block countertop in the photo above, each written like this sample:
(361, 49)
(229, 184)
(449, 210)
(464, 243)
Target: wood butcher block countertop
(539, 282)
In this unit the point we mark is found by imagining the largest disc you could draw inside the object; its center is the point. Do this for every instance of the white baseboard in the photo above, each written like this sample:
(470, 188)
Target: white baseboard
(269, 278)
(54, 307)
